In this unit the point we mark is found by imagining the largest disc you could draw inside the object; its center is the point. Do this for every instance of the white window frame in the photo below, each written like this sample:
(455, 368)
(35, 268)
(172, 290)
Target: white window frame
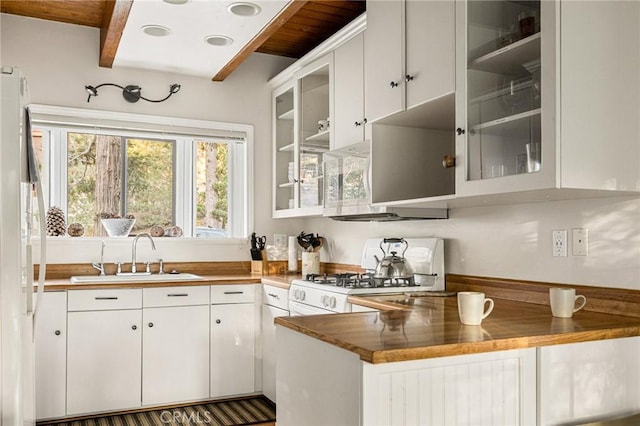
(240, 167)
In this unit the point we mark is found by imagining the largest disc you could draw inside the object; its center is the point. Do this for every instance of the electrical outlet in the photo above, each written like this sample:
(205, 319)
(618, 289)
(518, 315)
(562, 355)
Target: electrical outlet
(579, 242)
(559, 240)
(280, 240)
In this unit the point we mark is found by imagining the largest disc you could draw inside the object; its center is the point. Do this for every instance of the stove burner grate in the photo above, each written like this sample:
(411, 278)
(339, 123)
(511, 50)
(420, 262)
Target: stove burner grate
(355, 280)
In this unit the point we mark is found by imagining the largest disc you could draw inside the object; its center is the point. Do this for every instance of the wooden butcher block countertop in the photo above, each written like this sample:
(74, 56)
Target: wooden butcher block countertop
(431, 328)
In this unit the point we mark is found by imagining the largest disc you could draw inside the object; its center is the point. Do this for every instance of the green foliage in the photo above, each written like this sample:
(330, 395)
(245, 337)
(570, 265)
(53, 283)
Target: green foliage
(81, 180)
(150, 182)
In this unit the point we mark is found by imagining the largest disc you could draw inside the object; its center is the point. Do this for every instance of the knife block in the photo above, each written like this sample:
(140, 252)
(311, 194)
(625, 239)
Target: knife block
(260, 267)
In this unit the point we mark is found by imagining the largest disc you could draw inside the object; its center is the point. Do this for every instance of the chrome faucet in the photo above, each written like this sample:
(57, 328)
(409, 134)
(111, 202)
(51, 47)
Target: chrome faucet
(133, 250)
(100, 266)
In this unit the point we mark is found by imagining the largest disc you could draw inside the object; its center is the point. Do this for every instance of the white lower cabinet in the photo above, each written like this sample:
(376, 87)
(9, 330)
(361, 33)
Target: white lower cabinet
(175, 360)
(103, 362)
(116, 349)
(588, 382)
(175, 344)
(269, 313)
(233, 340)
(51, 355)
(497, 388)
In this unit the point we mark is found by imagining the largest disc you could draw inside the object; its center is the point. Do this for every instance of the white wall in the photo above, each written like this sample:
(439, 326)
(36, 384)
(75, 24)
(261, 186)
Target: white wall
(505, 241)
(515, 241)
(60, 59)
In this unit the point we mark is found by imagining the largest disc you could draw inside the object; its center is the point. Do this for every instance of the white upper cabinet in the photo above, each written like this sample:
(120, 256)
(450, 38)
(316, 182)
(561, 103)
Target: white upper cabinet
(430, 50)
(349, 115)
(301, 134)
(383, 59)
(546, 98)
(409, 50)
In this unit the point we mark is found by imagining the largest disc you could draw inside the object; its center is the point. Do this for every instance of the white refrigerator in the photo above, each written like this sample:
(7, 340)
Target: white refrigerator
(18, 179)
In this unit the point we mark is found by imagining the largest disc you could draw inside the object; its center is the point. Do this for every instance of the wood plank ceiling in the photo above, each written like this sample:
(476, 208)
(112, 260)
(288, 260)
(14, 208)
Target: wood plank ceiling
(300, 27)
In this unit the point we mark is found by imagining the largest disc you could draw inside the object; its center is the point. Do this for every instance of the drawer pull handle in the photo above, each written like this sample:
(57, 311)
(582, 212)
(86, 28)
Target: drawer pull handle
(150, 324)
(106, 298)
(57, 332)
(233, 292)
(218, 321)
(177, 294)
(274, 295)
(134, 327)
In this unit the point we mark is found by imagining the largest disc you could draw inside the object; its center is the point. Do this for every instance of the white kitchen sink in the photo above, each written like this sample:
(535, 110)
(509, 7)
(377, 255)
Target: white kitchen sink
(86, 279)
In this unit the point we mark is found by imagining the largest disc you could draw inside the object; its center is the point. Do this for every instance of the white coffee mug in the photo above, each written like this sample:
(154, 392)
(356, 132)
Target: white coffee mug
(563, 301)
(471, 307)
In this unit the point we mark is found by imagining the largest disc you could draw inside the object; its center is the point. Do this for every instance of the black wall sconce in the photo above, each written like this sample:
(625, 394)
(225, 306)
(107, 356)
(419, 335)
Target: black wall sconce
(131, 93)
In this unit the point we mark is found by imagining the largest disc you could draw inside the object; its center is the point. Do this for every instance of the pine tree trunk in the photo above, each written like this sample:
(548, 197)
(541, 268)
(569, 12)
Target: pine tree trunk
(108, 178)
(211, 197)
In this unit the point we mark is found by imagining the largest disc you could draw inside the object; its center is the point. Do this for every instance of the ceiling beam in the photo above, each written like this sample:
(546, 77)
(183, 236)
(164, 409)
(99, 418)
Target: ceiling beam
(116, 13)
(287, 12)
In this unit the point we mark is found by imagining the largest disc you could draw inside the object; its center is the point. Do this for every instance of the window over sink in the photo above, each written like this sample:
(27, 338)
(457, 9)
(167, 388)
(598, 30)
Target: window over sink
(165, 172)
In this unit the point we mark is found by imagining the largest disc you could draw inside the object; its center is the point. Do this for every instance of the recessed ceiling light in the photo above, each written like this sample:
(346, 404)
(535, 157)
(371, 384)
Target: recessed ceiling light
(156, 30)
(218, 40)
(176, 1)
(244, 9)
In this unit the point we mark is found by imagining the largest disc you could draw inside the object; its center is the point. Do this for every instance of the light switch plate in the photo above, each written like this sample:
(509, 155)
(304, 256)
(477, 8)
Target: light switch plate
(559, 241)
(579, 242)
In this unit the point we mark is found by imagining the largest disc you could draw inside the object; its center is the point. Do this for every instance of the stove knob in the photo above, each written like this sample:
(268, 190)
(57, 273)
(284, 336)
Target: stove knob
(296, 294)
(333, 302)
(302, 295)
(323, 300)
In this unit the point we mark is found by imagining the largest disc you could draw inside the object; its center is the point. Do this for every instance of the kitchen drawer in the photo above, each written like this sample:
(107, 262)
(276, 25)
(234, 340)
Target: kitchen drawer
(233, 293)
(103, 300)
(175, 296)
(275, 296)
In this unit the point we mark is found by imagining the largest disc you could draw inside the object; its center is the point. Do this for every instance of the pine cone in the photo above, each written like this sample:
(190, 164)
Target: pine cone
(76, 230)
(156, 231)
(174, 231)
(55, 222)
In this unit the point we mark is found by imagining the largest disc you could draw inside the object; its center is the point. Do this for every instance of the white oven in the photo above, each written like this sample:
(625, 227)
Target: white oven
(327, 294)
(298, 309)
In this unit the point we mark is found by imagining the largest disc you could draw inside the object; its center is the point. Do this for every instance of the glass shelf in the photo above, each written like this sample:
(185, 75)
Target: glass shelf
(486, 127)
(288, 147)
(288, 115)
(510, 59)
(320, 136)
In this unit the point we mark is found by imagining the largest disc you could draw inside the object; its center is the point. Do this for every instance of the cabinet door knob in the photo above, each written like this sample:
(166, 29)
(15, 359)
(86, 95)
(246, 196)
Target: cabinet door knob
(134, 327)
(408, 77)
(459, 131)
(394, 84)
(218, 321)
(448, 161)
(150, 324)
(57, 332)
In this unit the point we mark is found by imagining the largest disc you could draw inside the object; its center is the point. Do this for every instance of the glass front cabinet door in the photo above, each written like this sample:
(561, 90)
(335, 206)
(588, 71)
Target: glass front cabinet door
(505, 96)
(285, 125)
(301, 135)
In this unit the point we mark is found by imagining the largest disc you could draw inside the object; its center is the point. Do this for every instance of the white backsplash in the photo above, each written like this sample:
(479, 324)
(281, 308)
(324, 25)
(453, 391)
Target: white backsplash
(514, 241)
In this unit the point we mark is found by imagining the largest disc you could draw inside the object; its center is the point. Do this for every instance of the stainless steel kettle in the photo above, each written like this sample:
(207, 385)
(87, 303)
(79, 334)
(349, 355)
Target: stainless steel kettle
(391, 265)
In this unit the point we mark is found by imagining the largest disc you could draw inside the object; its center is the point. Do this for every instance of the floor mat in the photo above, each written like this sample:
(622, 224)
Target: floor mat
(237, 412)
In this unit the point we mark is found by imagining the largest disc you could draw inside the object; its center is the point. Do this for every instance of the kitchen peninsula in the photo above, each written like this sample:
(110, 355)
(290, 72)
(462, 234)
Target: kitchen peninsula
(419, 365)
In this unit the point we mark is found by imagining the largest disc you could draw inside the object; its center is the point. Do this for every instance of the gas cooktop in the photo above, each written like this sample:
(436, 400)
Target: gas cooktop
(354, 280)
